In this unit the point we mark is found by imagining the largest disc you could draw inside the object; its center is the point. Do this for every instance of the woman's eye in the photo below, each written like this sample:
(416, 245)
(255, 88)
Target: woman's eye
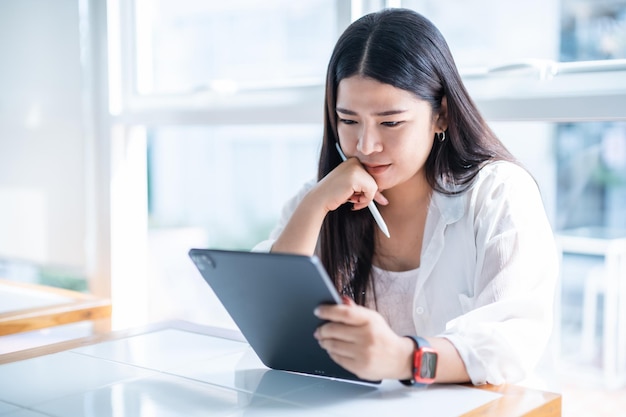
(391, 124)
(347, 121)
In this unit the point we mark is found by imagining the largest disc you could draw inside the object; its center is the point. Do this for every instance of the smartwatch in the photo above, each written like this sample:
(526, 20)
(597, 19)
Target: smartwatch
(424, 363)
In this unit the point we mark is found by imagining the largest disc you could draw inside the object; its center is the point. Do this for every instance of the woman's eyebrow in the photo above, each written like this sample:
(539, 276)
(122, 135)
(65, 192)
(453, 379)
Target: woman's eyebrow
(345, 111)
(389, 112)
(382, 113)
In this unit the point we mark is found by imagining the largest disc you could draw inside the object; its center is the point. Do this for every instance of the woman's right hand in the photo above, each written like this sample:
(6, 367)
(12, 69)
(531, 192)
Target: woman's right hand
(348, 182)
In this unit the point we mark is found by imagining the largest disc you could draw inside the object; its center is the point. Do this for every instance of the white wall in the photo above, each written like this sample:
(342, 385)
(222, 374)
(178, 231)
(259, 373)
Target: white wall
(42, 185)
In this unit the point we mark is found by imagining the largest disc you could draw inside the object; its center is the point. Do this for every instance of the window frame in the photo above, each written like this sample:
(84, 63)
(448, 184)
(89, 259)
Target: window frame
(551, 91)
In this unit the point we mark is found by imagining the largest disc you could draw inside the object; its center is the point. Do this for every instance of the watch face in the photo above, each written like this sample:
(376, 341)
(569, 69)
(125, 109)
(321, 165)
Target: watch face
(428, 365)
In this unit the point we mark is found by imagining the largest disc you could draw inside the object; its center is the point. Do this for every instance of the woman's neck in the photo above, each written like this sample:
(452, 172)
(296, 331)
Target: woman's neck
(411, 193)
(405, 216)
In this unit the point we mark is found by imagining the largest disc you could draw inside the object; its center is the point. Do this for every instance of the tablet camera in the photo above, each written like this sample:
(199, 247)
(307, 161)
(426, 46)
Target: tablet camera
(203, 261)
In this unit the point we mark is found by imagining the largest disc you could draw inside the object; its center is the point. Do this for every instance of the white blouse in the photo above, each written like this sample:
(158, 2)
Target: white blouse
(487, 278)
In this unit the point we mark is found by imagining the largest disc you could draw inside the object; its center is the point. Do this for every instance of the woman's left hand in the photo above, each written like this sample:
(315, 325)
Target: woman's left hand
(360, 340)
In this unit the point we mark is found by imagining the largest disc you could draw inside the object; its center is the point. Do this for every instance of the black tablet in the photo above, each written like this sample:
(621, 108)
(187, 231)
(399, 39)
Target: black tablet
(271, 298)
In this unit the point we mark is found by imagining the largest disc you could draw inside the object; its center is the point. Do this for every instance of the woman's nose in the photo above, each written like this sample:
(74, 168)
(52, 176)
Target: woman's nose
(369, 142)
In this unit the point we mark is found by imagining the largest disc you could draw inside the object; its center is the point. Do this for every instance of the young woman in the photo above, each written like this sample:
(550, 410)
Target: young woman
(470, 267)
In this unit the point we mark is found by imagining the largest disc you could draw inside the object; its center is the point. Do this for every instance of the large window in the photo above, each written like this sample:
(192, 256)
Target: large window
(227, 181)
(226, 98)
(190, 46)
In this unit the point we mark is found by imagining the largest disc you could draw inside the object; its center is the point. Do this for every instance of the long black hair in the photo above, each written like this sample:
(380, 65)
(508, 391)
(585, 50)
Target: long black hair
(404, 49)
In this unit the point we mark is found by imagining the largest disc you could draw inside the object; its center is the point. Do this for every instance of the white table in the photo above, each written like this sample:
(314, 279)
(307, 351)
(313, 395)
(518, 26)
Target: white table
(182, 369)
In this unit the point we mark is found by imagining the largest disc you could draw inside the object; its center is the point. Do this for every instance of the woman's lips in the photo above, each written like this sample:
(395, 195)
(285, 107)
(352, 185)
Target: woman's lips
(376, 169)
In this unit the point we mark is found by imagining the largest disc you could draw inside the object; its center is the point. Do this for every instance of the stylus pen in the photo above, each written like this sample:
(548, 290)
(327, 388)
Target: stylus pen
(372, 206)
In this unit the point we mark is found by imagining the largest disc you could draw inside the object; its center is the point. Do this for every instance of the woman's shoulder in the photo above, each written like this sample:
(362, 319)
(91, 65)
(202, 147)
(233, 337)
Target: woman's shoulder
(503, 170)
(291, 204)
(305, 188)
(503, 173)
(504, 181)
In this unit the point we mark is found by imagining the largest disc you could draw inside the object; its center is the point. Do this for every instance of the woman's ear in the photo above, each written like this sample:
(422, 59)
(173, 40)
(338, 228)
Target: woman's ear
(442, 117)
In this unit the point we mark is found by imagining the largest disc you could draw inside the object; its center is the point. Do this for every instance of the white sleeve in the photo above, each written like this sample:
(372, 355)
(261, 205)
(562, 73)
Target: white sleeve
(287, 211)
(509, 316)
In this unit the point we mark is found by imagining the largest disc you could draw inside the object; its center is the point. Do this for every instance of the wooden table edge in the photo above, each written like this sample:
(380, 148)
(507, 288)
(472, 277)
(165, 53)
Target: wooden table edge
(79, 307)
(518, 401)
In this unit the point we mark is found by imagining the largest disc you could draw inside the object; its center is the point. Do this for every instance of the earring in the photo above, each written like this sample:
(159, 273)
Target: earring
(441, 136)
